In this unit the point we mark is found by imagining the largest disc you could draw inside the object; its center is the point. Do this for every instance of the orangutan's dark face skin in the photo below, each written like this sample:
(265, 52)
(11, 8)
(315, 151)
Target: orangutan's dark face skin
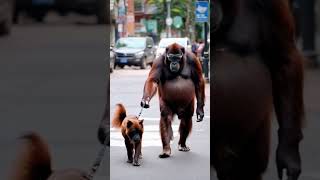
(174, 58)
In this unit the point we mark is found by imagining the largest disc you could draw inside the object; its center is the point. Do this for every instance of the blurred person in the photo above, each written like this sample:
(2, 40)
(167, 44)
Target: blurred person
(194, 47)
(200, 48)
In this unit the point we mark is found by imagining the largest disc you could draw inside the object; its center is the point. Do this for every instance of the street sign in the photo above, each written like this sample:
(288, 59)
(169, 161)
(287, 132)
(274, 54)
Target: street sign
(120, 28)
(121, 8)
(152, 26)
(202, 11)
(169, 21)
(177, 21)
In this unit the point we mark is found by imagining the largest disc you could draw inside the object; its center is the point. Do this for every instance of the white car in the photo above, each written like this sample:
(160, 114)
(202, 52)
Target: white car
(165, 42)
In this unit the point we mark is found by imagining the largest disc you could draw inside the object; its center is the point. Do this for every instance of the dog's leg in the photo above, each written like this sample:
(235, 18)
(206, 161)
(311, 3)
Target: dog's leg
(129, 147)
(137, 153)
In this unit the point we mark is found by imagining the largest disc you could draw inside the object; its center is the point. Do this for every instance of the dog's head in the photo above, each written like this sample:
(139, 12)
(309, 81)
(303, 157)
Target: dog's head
(130, 125)
(134, 129)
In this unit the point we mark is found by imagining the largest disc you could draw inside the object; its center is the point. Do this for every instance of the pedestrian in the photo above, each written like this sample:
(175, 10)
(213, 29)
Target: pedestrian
(200, 48)
(194, 47)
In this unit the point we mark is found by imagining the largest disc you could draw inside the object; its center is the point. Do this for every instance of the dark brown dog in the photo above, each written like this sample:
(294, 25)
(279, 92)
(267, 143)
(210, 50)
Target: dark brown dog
(132, 130)
(34, 163)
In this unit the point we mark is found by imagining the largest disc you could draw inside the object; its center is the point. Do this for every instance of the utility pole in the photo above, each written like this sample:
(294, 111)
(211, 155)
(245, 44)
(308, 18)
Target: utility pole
(202, 15)
(205, 53)
(168, 19)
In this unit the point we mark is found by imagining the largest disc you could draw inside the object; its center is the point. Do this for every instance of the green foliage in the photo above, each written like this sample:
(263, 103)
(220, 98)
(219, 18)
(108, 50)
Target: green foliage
(183, 8)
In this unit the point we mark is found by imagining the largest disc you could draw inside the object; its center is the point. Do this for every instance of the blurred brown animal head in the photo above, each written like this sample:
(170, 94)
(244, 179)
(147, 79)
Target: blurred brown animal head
(130, 125)
(34, 162)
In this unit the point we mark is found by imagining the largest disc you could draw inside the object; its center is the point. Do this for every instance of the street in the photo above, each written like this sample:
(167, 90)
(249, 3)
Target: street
(53, 79)
(127, 88)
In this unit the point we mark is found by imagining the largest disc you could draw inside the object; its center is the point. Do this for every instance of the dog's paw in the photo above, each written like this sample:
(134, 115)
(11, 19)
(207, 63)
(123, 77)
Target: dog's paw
(136, 163)
(183, 148)
(129, 161)
(164, 155)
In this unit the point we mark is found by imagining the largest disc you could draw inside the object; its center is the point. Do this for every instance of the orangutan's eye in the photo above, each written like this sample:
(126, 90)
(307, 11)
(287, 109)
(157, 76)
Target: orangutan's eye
(174, 57)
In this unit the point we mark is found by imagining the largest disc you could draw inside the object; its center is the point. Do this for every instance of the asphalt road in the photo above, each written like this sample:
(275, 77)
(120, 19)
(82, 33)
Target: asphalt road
(53, 80)
(127, 88)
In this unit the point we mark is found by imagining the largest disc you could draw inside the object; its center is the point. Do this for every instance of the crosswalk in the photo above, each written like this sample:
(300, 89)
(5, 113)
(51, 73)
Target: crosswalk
(151, 135)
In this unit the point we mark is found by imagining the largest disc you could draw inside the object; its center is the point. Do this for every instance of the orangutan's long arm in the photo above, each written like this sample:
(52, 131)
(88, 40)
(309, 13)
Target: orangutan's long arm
(199, 83)
(289, 108)
(150, 89)
(286, 66)
(151, 84)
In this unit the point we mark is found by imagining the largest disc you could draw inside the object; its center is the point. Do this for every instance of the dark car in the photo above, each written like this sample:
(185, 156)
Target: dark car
(134, 51)
(39, 8)
(6, 11)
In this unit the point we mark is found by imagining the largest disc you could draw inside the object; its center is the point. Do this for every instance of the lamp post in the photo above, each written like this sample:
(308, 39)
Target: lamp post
(168, 19)
(205, 52)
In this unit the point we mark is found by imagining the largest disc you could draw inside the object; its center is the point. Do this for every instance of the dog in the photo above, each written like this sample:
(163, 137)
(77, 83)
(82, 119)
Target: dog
(34, 163)
(132, 130)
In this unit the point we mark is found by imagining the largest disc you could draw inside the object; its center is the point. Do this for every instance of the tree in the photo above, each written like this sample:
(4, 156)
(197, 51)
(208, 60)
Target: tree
(183, 8)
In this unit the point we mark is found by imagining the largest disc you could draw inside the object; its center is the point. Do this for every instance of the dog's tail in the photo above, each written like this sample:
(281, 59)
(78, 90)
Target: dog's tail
(34, 161)
(119, 115)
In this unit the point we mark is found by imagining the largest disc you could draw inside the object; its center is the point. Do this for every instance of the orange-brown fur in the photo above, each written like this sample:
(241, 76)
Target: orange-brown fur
(128, 125)
(118, 116)
(177, 93)
(34, 163)
(255, 53)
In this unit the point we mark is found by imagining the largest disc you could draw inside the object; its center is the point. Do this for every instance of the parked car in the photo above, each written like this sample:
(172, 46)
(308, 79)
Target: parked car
(165, 42)
(111, 59)
(6, 11)
(39, 8)
(134, 51)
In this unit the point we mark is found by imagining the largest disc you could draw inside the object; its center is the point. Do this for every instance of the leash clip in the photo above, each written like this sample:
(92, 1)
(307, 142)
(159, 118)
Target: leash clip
(140, 112)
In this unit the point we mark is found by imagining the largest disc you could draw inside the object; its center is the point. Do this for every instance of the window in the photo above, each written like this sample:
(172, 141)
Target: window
(138, 6)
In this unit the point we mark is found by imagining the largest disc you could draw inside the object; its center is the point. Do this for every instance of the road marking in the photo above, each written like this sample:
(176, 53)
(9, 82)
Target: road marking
(158, 118)
(150, 128)
(151, 136)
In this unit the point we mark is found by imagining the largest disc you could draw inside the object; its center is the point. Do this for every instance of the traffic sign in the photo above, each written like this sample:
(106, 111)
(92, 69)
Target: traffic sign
(152, 26)
(177, 21)
(202, 11)
(169, 21)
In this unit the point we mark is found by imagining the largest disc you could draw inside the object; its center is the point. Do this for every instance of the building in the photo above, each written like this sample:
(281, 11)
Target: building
(113, 16)
(145, 25)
